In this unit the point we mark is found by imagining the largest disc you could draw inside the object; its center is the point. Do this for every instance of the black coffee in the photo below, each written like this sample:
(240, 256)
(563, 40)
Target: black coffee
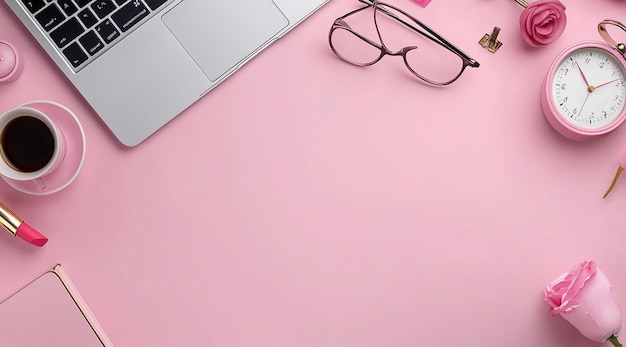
(27, 143)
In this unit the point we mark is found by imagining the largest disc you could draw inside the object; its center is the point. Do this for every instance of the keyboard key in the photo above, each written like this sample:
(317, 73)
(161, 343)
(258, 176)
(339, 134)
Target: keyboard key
(107, 31)
(129, 15)
(91, 43)
(50, 17)
(67, 6)
(102, 8)
(88, 18)
(83, 29)
(154, 4)
(82, 3)
(34, 5)
(67, 32)
(75, 55)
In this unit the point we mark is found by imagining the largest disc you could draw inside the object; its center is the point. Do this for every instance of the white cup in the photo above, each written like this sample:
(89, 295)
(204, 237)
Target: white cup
(30, 148)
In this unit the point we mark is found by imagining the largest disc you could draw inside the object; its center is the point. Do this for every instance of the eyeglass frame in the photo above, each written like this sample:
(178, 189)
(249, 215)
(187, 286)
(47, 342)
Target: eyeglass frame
(432, 35)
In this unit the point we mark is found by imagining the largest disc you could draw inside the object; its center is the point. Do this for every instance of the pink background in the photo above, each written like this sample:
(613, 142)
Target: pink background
(306, 202)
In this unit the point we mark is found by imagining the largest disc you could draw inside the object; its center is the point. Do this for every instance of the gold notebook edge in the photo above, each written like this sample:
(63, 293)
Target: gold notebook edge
(95, 326)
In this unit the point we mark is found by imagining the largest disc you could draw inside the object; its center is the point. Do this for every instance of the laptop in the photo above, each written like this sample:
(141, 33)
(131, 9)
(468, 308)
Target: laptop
(140, 63)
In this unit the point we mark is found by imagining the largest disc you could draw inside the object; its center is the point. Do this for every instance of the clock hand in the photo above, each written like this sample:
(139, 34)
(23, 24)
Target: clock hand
(584, 102)
(583, 74)
(604, 84)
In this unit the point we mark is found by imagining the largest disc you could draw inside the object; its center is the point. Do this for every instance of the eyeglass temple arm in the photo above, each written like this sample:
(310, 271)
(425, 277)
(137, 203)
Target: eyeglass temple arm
(437, 38)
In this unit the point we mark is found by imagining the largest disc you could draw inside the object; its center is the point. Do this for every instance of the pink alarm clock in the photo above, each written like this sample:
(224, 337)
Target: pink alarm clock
(584, 93)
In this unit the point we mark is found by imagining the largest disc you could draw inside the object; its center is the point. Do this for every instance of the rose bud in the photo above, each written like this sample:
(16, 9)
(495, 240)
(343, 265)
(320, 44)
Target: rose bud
(585, 298)
(542, 21)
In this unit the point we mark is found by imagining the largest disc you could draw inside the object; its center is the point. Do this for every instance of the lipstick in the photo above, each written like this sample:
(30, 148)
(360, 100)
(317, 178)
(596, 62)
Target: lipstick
(17, 227)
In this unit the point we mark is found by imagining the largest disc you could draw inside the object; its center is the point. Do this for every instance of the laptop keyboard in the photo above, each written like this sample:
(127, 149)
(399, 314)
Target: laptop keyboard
(83, 29)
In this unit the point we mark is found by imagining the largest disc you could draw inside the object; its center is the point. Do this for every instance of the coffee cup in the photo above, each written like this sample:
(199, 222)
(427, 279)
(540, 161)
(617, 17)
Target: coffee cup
(31, 145)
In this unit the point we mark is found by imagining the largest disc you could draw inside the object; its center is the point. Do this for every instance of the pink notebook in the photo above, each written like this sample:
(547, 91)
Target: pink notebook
(49, 312)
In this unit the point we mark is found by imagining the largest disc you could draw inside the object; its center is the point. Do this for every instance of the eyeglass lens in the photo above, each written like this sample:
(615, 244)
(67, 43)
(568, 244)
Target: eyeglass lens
(429, 60)
(352, 48)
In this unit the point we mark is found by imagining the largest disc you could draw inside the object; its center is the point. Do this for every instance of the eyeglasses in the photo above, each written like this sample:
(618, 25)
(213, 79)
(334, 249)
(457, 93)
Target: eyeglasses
(355, 39)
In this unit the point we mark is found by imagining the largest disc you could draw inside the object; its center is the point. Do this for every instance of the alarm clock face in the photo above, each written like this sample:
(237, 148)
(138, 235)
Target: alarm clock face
(589, 88)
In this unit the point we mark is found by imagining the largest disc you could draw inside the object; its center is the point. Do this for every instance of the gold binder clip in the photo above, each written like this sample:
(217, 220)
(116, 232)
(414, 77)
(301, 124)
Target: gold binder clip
(620, 169)
(491, 41)
(615, 178)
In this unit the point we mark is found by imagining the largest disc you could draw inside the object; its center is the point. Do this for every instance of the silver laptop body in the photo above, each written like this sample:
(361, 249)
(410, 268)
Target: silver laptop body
(140, 63)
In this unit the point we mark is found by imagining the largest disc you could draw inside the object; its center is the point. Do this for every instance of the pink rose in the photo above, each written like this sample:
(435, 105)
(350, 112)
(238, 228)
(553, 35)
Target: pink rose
(585, 298)
(542, 22)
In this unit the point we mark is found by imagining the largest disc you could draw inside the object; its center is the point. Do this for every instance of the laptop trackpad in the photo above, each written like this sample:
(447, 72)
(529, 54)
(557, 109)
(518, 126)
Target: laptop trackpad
(221, 34)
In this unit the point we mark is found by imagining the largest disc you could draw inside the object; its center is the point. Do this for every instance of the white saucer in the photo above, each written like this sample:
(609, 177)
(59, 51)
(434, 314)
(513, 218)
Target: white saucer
(75, 146)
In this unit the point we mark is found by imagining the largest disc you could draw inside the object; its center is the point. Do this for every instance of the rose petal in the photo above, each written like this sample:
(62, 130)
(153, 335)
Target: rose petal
(539, 17)
(545, 29)
(561, 293)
